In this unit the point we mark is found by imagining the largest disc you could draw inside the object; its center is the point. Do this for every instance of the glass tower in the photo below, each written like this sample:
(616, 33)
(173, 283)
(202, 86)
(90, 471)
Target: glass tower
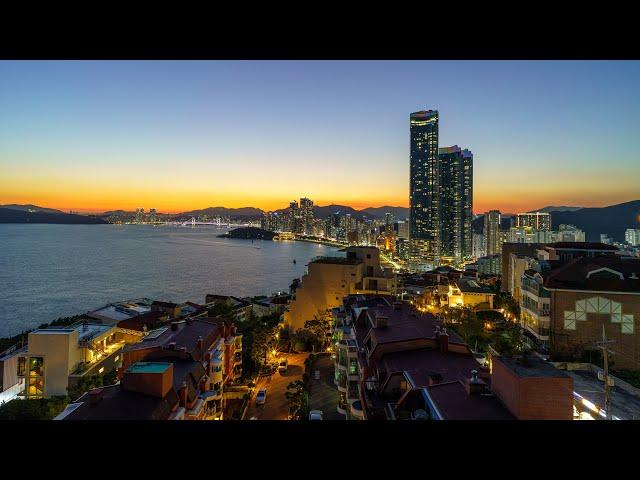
(424, 206)
(456, 202)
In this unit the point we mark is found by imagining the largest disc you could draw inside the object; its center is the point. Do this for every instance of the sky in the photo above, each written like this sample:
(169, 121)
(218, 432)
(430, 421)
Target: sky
(177, 135)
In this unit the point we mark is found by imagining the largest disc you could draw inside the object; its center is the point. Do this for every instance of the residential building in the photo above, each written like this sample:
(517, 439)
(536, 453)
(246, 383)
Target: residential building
(329, 279)
(456, 202)
(606, 239)
(535, 220)
(410, 367)
(632, 236)
(531, 388)
(489, 265)
(424, 194)
(403, 229)
(467, 292)
(241, 309)
(478, 246)
(535, 306)
(306, 216)
(529, 235)
(491, 232)
(57, 358)
(569, 233)
(589, 293)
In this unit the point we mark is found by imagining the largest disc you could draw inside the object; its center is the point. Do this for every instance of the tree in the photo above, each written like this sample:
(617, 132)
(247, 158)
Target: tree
(298, 399)
(302, 339)
(33, 409)
(319, 328)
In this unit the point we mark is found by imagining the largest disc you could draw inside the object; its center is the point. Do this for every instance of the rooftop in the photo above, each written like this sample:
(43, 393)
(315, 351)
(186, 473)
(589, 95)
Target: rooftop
(535, 367)
(403, 324)
(583, 246)
(119, 404)
(469, 285)
(421, 364)
(148, 367)
(85, 331)
(602, 273)
(336, 260)
(454, 403)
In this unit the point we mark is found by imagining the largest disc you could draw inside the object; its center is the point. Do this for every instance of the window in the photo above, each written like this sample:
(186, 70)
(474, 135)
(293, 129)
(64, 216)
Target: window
(22, 366)
(101, 370)
(36, 367)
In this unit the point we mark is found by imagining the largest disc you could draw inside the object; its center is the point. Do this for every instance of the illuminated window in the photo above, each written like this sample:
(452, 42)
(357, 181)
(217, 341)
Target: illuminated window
(101, 370)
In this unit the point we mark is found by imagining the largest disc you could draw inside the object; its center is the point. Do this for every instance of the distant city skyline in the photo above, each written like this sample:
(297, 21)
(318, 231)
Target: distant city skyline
(180, 136)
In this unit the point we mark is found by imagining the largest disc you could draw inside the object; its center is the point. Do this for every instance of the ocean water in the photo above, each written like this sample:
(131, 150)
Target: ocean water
(52, 271)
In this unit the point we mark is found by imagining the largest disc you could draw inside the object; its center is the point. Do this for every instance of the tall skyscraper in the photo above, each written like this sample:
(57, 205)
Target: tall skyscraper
(424, 206)
(294, 217)
(492, 237)
(306, 215)
(456, 202)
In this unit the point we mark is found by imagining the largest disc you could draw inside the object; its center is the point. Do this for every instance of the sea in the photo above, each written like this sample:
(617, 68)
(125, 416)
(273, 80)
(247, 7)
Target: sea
(51, 271)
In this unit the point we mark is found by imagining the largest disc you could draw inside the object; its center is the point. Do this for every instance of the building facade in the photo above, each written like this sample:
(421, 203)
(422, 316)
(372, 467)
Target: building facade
(329, 279)
(456, 202)
(424, 179)
(491, 232)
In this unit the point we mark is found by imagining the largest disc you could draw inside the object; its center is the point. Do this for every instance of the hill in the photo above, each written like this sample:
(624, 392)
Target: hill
(8, 215)
(249, 233)
(613, 220)
(550, 209)
(30, 208)
(400, 213)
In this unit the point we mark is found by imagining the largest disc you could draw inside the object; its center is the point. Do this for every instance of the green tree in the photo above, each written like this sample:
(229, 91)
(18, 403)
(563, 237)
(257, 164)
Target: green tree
(33, 409)
(298, 399)
(319, 328)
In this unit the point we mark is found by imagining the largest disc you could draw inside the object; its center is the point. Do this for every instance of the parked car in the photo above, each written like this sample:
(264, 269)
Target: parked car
(261, 397)
(315, 415)
(282, 366)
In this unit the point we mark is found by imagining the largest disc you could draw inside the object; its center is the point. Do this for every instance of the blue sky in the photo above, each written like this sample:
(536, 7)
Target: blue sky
(174, 135)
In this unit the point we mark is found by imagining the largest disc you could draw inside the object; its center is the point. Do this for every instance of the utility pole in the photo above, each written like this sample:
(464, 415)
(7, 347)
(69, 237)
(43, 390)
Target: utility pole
(607, 387)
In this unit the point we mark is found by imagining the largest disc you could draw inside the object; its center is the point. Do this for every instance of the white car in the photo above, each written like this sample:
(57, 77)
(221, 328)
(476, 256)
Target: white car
(261, 397)
(282, 366)
(315, 415)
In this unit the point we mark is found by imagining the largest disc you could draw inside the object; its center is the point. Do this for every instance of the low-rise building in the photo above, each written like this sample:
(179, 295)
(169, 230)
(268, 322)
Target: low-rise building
(588, 294)
(467, 292)
(330, 279)
(57, 358)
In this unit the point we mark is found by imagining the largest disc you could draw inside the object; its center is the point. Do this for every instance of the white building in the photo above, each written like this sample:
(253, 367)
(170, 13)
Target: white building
(632, 236)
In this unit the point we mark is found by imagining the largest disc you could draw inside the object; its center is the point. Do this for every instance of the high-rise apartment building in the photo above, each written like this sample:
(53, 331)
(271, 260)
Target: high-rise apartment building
(632, 236)
(306, 216)
(424, 209)
(294, 217)
(537, 220)
(456, 202)
(492, 236)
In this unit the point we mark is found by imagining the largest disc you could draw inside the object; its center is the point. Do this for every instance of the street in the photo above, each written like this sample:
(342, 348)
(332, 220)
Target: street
(276, 406)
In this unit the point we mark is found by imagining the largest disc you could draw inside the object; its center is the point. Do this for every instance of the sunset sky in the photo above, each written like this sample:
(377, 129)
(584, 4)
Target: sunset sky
(176, 136)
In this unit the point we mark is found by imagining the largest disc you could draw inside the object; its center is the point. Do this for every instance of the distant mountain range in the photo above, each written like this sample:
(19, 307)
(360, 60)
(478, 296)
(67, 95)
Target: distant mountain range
(12, 215)
(30, 208)
(612, 220)
(556, 209)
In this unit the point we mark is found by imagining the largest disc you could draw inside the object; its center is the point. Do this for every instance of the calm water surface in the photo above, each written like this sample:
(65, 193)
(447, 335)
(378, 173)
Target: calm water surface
(51, 271)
